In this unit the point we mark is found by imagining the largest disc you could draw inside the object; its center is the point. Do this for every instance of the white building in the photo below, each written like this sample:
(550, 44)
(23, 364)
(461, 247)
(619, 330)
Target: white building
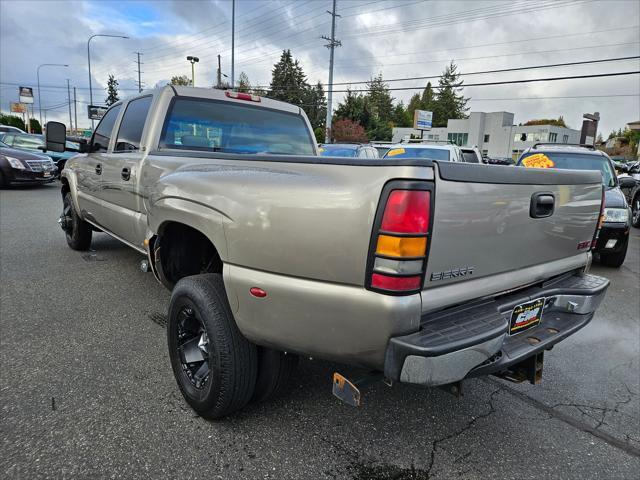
(493, 133)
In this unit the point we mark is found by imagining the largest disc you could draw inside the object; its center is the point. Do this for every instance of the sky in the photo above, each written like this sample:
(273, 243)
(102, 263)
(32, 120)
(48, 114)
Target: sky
(395, 38)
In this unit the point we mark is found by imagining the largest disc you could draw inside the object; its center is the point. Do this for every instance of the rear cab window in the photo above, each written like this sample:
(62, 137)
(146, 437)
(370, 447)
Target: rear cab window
(220, 126)
(571, 161)
(470, 157)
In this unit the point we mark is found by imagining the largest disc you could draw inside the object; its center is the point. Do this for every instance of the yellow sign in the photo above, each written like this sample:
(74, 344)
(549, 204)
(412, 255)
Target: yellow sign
(18, 107)
(395, 151)
(538, 160)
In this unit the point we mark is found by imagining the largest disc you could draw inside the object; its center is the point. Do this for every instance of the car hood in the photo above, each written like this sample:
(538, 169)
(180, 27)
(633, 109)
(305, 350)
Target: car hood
(21, 154)
(614, 198)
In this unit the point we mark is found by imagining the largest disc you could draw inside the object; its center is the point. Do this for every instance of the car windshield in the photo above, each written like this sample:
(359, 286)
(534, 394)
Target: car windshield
(418, 152)
(220, 126)
(571, 161)
(338, 151)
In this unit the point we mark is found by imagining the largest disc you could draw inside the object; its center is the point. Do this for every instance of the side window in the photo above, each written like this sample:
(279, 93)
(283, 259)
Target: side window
(132, 123)
(8, 139)
(102, 135)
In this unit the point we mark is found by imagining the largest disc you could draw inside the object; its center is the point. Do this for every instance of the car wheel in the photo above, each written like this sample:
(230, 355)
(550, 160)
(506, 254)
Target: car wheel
(635, 211)
(215, 366)
(615, 259)
(77, 231)
(275, 369)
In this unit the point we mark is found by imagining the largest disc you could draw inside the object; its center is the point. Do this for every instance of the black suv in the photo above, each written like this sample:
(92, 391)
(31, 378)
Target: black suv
(614, 236)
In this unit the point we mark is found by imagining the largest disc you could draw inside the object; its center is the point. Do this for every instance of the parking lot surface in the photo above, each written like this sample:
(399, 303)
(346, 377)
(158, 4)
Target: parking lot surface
(87, 389)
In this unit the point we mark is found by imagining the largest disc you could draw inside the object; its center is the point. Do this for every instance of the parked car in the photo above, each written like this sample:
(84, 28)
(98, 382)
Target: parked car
(471, 154)
(20, 167)
(347, 150)
(35, 143)
(9, 129)
(381, 147)
(632, 190)
(613, 240)
(444, 152)
(389, 264)
(499, 161)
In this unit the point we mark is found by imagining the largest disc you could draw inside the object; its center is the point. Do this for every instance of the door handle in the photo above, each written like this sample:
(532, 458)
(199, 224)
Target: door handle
(125, 174)
(542, 205)
(99, 169)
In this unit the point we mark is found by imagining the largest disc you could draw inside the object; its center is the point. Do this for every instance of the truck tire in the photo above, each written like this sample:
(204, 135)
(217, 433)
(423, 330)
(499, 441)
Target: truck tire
(215, 366)
(615, 259)
(635, 211)
(275, 369)
(77, 231)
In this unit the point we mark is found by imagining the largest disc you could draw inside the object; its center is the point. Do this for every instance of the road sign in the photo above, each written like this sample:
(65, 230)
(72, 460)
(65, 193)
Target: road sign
(18, 107)
(422, 119)
(26, 94)
(96, 112)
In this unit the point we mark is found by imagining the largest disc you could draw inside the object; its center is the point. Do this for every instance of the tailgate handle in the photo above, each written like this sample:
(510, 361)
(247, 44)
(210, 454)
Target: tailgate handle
(542, 205)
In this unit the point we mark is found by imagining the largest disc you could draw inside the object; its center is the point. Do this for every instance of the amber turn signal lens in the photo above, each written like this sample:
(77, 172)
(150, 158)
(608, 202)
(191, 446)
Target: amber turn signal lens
(401, 246)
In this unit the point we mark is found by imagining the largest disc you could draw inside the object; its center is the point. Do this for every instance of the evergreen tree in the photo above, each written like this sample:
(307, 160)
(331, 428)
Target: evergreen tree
(450, 103)
(112, 91)
(414, 104)
(243, 83)
(380, 99)
(400, 117)
(315, 106)
(288, 81)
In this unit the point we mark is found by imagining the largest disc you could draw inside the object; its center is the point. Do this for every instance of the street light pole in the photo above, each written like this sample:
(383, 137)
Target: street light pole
(89, 63)
(39, 94)
(233, 43)
(193, 61)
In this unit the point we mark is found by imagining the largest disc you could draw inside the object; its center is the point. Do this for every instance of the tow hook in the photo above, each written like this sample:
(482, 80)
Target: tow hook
(348, 391)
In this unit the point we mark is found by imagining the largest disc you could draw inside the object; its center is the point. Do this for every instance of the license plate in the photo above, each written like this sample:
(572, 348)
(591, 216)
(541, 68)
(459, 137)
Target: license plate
(46, 174)
(526, 316)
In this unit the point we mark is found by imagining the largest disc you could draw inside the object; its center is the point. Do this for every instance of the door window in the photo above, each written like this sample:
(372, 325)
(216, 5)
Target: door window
(102, 135)
(133, 120)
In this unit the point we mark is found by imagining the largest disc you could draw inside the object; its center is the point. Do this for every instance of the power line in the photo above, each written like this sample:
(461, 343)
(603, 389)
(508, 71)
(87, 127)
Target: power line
(510, 82)
(503, 70)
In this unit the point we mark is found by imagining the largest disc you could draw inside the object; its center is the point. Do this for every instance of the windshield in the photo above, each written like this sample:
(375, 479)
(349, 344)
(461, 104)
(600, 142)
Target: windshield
(210, 125)
(571, 161)
(430, 153)
(338, 152)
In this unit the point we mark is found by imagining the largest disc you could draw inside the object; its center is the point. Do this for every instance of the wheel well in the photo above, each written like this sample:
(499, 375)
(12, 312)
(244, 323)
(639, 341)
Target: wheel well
(65, 186)
(181, 250)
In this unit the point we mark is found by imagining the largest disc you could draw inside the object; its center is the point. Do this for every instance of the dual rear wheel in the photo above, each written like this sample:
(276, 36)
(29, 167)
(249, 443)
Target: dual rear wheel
(217, 369)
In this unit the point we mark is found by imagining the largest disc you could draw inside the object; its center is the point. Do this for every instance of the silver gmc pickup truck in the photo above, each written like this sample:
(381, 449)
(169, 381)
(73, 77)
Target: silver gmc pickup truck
(420, 271)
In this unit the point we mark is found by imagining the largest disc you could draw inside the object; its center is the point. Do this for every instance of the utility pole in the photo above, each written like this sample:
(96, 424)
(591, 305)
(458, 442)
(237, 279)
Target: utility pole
(233, 42)
(331, 46)
(69, 98)
(75, 110)
(219, 75)
(139, 72)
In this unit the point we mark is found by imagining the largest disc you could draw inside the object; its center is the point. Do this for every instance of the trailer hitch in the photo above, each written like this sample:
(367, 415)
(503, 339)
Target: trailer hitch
(530, 369)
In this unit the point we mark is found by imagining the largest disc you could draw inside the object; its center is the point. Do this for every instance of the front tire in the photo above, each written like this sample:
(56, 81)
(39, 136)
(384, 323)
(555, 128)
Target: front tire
(635, 211)
(77, 231)
(215, 366)
(615, 260)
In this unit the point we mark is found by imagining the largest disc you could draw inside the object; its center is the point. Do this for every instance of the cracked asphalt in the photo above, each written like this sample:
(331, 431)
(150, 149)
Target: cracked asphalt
(86, 389)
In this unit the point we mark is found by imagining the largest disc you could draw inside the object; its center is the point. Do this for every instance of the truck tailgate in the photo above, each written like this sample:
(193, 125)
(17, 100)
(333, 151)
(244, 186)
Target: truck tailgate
(484, 224)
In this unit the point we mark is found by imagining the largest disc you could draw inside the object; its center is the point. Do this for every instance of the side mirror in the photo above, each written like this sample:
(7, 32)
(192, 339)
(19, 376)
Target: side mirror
(627, 182)
(622, 168)
(55, 136)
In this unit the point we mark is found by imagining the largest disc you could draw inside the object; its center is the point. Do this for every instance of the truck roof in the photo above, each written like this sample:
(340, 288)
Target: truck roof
(564, 148)
(217, 94)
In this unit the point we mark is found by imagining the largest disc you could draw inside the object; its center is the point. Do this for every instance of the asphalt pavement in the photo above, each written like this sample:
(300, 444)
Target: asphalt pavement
(86, 388)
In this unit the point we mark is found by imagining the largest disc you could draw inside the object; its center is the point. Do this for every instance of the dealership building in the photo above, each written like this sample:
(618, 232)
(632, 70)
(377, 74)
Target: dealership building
(493, 133)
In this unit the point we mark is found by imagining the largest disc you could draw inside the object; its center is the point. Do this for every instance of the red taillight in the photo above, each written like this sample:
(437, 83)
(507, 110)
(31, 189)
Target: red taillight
(397, 284)
(400, 240)
(242, 96)
(407, 211)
